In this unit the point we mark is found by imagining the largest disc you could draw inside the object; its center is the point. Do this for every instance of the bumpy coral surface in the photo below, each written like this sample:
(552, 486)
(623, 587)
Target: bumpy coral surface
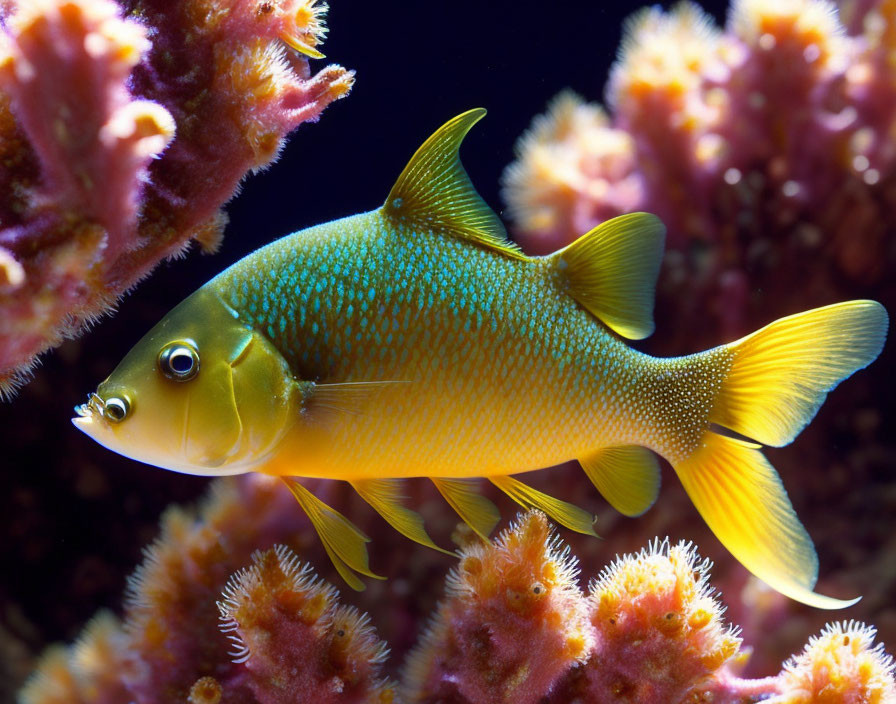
(840, 666)
(123, 129)
(514, 627)
(170, 646)
(770, 142)
(661, 634)
(512, 624)
(280, 615)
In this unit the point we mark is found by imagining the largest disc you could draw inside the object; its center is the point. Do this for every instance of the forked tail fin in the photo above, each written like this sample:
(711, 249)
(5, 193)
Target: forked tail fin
(781, 374)
(777, 379)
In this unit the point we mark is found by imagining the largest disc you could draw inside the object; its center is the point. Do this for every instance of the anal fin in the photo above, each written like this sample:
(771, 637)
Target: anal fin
(384, 495)
(474, 509)
(564, 513)
(627, 476)
(343, 541)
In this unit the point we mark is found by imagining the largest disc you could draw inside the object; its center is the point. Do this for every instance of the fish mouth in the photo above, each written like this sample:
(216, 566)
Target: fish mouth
(89, 416)
(88, 412)
(94, 406)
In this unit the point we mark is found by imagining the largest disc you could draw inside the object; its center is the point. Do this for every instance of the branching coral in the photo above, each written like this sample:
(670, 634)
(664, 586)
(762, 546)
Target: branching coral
(170, 646)
(770, 142)
(514, 627)
(281, 616)
(512, 624)
(123, 129)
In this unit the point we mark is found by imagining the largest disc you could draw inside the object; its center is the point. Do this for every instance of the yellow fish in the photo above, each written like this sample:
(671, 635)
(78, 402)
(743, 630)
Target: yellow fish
(416, 340)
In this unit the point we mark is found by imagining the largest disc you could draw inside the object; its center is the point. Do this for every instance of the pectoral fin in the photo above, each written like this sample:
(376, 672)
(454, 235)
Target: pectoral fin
(628, 477)
(474, 509)
(564, 513)
(384, 495)
(343, 541)
(322, 402)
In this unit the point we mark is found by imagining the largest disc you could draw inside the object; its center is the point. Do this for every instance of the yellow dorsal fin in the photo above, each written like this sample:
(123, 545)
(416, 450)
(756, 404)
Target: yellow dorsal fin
(343, 541)
(564, 513)
(612, 272)
(435, 193)
(741, 498)
(384, 495)
(474, 509)
(628, 477)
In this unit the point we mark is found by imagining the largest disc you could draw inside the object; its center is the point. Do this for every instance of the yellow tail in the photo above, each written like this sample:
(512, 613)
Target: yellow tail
(778, 378)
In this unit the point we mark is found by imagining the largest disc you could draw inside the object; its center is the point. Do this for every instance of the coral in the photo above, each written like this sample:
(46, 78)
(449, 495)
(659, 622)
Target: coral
(172, 596)
(87, 673)
(512, 624)
(170, 647)
(760, 147)
(840, 666)
(110, 162)
(660, 630)
(514, 627)
(279, 615)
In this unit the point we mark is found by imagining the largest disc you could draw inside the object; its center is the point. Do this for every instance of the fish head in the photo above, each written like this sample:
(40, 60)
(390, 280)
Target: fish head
(202, 393)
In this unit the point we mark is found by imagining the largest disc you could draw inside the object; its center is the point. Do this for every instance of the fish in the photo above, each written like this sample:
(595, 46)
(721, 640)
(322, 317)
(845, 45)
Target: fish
(416, 340)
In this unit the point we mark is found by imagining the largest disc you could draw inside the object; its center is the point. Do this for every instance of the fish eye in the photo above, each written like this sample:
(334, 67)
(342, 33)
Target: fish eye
(116, 409)
(179, 361)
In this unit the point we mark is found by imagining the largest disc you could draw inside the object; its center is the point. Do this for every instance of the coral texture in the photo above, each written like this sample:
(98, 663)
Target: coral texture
(769, 142)
(280, 615)
(514, 627)
(170, 645)
(123, 130)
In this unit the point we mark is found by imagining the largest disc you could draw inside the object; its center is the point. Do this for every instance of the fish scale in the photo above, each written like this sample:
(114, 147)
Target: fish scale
(416, 340)
(540, 380)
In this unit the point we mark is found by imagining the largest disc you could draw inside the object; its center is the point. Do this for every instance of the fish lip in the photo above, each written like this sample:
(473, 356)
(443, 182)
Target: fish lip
(89, 416)
(90, 425)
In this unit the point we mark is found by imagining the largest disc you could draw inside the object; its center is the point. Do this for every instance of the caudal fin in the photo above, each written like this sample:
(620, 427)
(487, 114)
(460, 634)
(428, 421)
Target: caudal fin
(781, 374)
(776, 380)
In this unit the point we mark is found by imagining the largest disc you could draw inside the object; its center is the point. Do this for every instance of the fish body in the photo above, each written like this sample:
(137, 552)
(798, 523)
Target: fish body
(415, 340)
(491, 368)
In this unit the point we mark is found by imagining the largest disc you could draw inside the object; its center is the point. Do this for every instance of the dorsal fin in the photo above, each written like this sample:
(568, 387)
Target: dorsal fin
(612, 271)
(434, 191)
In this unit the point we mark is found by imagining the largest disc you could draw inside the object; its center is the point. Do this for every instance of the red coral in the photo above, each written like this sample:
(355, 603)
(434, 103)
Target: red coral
(659, 631)
(279, 615)
(760, 147)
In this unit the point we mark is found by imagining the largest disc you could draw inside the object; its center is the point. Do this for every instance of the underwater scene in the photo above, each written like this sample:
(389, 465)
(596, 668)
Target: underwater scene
(442, 352)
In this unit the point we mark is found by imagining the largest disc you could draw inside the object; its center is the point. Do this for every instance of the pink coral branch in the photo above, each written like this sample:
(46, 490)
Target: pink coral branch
(109, 162)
